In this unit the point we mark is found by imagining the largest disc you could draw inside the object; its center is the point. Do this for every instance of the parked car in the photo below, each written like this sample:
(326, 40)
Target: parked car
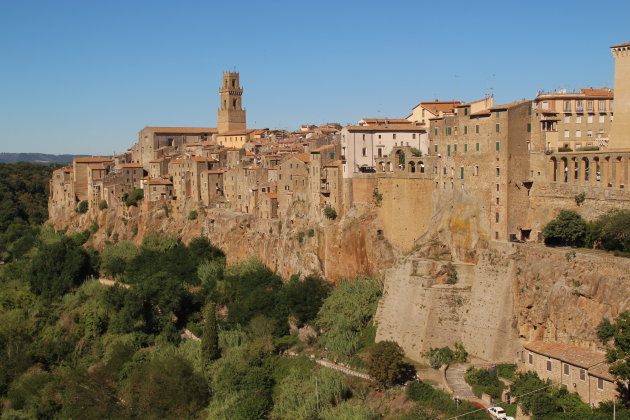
(497, 412)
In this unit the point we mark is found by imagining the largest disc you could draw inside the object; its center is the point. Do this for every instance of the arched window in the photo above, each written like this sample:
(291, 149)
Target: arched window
(421, 165)
(233, 82)
(412, 166)
(234, 104)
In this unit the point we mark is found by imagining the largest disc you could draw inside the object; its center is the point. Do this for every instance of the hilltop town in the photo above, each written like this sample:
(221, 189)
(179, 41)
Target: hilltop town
(468, 183)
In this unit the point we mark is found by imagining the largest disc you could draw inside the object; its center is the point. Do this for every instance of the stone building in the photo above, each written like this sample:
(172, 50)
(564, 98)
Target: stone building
(80, 174)
(173, 139)
(424, 111)
(159, 189)
(578, 369)
(361, 146)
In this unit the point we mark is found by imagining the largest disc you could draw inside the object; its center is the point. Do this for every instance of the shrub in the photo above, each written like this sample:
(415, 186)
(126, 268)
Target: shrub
(416, 152)
(418, 391)
(132, 199)
(385, 362)
(506, 370)
(444, 355)
(102, 205)
(451, 273)
(589, 148)
(82, 207)
(310, 233)
(378, 197)
(564, 149)
(483, 381)
(93, 228)
(612, 230)
(580, 198)
(192, 215)
(330, 213)
(568, 228)
(300, 237)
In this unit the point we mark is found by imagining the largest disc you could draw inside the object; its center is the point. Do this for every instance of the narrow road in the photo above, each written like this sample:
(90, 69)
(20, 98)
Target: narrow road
(455, 379)
(343, 369)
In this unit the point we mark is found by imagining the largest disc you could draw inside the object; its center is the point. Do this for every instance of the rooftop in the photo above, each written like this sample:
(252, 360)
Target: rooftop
(186, 130)
(626, 44)
(577, 356)
(390, 127)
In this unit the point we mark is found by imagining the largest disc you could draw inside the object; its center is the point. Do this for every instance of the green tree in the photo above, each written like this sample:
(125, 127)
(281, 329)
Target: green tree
(102, 205)
(568, 228)
(210, 340)
(612, 230)
(618, 355)
(82, 207)
(330, 213)
(385, 362)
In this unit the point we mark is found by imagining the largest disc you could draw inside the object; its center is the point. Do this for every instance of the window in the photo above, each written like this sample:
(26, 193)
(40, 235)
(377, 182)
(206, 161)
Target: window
(466, 147)
(589, 106)
(364, 152)
(436, 147)
(394, 137)
(579, 106)
(496, 217)
(477, 147)
(566, 134)
(582, 375)
(530, 359)
(589, 133)
(567, 106)
(476, 170)
(498, 187)
(545, 105)
(413, 136)
(567, 119)
(600, 384)
(565, 367)
(364, 137)
(455, 147)
(465, 111)
(589, 119)
(529, 127)
(602, 106)
(498, 171)
(379, 136)
(436, 131)
(444, 171)
(497, 201)
(496, 235)
(549, 365)
(498, 114)
(477, 129)
(448, 149)
(578, 119)
(497, 145)
(465, 129)
(461, 172)
(497, 127)
(602, 118)
(578, 133)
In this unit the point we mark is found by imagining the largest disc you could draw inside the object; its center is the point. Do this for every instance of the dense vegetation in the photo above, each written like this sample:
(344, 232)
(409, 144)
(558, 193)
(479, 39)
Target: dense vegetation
(610, 231)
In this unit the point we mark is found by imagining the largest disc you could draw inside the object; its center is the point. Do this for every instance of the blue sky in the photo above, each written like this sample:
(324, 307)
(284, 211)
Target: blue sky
(86, 76)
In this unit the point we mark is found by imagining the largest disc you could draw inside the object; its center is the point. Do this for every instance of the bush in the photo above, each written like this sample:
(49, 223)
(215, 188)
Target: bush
(418, 391)
(300, 237)
(568, 229)
(564, 149)
(416, 152)
(82, 207)
(192, 215)
(611, 230)
(102, 205)
(482, 381)
(451, 273)
(580, 198)
(132, 199)
(444, 355)
(385, 362)
(506, 370)
(589, 148)
(330, 213)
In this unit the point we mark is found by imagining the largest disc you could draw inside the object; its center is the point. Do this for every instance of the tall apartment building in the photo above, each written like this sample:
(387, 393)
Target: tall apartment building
(574, 120)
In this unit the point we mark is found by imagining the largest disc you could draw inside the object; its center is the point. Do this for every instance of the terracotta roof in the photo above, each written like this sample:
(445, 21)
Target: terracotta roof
(215, 171)
(159, 181)
(626, 44)
(386, 120)
(601, 371)
(598, 92)
(96, 159)
(390, 127)
(158, 160)
(97, 167)
(436, 106)
(479, 113)
(577, 356)
(187, 130)
(304, 157)
(203, 159)
(272, 195)
(130, 165)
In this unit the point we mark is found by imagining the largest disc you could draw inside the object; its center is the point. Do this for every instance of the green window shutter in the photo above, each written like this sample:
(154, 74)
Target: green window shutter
(448, 149)
(497, 145)
(455, 148)
(436, 148)
(466, 147)
(498, 127)
(465, 129)
(477, 129)
(529, 128)
(436, 131)
(477, 146)
(461, 172)
(444, 170)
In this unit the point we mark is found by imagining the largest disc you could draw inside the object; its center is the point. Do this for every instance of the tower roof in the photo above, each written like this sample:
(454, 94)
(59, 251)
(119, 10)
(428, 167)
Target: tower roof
(625, 44)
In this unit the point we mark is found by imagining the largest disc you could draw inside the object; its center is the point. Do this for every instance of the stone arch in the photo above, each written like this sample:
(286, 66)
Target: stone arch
(421, 166)
(585, 169)
(412, 166)
(553, 167)
(389, 166)
(565, 169)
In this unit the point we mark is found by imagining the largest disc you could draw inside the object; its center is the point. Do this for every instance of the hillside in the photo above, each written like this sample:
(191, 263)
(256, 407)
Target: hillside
(40, 158)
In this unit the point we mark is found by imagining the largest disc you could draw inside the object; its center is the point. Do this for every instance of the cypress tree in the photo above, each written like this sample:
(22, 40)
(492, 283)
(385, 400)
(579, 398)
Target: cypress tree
(210, 340)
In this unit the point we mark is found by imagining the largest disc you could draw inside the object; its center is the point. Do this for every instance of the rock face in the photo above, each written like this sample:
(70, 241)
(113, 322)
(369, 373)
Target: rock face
(508, 295)
(347, 247)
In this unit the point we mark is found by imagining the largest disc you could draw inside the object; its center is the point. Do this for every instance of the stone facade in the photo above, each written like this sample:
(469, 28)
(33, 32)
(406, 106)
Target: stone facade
(620, 136)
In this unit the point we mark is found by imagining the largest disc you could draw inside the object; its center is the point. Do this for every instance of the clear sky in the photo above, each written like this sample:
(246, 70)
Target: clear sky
(85, 76)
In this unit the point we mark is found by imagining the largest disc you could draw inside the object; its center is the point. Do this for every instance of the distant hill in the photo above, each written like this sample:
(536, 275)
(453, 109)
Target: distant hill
(42, 158)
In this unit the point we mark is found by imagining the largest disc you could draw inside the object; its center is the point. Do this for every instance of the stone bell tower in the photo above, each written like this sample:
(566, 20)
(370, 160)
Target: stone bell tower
(231, 113)
(620, 131)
